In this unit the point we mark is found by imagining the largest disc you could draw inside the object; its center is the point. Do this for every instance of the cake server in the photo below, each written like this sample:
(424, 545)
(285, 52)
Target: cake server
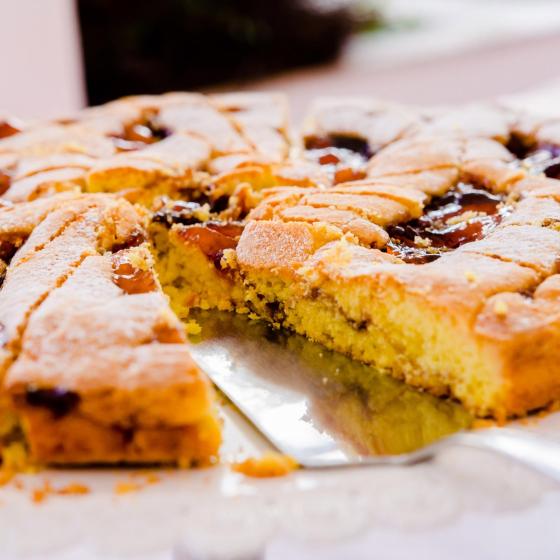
(298, 395)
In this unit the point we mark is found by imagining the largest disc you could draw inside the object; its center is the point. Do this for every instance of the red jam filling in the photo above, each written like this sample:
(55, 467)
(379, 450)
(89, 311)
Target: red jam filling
(138, 135)
(537, 158)
(59, 401)
(213, 238)
(130, 278)
(8, 250)
(545, 158)
(179, 212)
(5, 182)
(135, 239)
(343, 157)
(8, 128)
(464, 214)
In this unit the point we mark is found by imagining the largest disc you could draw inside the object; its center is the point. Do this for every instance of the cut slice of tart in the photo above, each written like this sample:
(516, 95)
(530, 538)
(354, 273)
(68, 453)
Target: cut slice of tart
(134, 396)
(424, 303)
(421, 322)
(94, 362)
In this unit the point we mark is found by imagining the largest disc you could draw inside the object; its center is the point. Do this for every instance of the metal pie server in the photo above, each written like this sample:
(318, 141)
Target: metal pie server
(327, 411)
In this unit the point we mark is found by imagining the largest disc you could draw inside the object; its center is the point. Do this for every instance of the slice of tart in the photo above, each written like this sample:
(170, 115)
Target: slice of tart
(134, 396)
(94, 362)
(440, 325)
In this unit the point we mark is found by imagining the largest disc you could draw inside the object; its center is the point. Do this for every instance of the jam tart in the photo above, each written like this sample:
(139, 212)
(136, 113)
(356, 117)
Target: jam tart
(423, 241)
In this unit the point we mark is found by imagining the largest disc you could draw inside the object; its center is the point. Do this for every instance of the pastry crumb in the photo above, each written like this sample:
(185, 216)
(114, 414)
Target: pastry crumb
(152, 478)
(471, 276)
(39, 495)
(148, 477)
(15, 459)
(481, 423)
(126, 487)
(464, 217)
(422, 241)
(18, 484)
(229, 259)
(140, 480)
(269, 465)
(73, 489)
(500, 308)
(6, 476)
(192, 327)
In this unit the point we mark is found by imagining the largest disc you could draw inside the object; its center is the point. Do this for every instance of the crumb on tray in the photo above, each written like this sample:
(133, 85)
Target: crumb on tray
(270, 464)
(41, 493)
(126, 487)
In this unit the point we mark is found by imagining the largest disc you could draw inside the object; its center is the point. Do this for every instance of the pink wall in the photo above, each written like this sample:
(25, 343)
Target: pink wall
(478, 73)
(41, 74)
(40, 62)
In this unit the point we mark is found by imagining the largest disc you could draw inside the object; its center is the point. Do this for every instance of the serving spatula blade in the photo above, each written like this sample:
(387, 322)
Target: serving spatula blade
(315, 405)
(328, 411)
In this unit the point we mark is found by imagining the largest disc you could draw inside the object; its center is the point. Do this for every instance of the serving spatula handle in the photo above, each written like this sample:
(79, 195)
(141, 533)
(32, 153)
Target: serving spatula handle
(537, 452)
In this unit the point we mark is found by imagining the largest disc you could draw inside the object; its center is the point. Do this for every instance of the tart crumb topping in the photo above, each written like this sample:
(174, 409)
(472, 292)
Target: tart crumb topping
(501, 308)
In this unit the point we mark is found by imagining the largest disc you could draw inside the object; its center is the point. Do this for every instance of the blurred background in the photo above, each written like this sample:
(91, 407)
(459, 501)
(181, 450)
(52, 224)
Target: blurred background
(59, 55)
